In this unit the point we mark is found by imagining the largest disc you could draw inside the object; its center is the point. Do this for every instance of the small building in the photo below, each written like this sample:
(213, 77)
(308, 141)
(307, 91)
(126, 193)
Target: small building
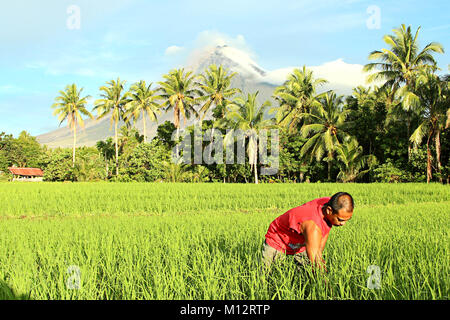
(26, 174)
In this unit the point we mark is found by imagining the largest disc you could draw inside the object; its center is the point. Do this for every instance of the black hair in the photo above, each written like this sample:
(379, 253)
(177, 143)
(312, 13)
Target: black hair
(341, 200)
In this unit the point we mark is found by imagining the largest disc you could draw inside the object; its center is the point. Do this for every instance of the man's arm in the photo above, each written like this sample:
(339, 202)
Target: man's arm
(314, 242)
(323, 242)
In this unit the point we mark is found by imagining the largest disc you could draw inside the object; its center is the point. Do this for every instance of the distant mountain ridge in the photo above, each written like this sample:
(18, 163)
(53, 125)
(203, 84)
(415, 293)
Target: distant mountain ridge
(250, 78)
(232, 59)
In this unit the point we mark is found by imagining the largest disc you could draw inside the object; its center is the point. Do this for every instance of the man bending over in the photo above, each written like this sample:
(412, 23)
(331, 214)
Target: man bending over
(303, 231)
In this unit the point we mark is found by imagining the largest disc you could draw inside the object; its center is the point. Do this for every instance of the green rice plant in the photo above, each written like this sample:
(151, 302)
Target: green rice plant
(204, 241)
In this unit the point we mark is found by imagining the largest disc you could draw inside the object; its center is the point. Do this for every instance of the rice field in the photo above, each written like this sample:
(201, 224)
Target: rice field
(203, 241)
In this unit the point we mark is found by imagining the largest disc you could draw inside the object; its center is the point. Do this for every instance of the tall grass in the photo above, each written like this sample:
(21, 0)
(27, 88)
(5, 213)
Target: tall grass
(87, 199)
(204, 241)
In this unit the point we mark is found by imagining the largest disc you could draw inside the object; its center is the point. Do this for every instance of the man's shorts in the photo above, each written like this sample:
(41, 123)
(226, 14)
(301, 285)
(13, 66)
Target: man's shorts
(270, 254)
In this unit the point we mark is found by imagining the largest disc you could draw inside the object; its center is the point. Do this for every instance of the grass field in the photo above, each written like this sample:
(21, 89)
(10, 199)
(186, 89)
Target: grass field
(204, 241)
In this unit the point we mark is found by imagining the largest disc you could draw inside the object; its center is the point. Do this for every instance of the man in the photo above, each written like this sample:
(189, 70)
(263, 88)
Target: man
(303, 231)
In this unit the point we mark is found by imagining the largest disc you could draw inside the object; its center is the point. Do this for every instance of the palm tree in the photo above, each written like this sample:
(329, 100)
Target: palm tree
(180, 94)
(175, 172)
(70, 106)
(128, 139)
(434, 97)
(400, 65)
(325, 125)
(113, 102)
(142, 101)
(352, 161)
(215, 87)
(297, 96)
(365, 96)
(107, 149)
(246, 116)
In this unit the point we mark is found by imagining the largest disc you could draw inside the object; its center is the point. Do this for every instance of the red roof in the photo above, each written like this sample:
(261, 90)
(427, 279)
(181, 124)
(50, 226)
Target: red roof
(27, 172)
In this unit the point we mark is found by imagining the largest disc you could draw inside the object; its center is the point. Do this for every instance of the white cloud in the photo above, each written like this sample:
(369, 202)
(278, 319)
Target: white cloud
(212, 38)
(207, 40)
(173, 50)
(341, 76)
(341, 73)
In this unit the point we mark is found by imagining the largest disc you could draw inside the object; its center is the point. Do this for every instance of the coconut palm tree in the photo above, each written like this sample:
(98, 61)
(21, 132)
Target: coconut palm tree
(180, 94)
(175, 172)
(325, 126)
(215, 87)
(107, 150)
(351, 161)
(433, 93)
(400, 65)
(246, 116)
(142, 101)
(69, 105)
(297, 96)
(112, 103)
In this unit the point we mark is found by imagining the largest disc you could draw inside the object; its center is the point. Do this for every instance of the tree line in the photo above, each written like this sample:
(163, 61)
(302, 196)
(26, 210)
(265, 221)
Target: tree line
(395, 132)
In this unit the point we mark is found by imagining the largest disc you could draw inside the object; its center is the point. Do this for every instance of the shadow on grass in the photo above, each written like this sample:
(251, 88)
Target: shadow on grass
(7, 293)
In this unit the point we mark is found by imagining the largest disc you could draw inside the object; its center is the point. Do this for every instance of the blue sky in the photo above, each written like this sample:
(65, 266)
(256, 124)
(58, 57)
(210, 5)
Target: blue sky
(135, 39)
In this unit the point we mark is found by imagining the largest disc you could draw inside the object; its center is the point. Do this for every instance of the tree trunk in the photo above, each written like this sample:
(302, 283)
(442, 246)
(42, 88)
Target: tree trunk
(176, 118)
(330, 158)
(255, 159)
(117, 149)
(255, 167)
(145, 132)
(329, 171)
(408, 129)
(74, 143)
(177, 149)
(107, 169)
(437, 139)
(429, 171)
(225, 173)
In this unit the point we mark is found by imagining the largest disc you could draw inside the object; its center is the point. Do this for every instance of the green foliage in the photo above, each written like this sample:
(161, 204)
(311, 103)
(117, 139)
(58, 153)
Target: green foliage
(388, 172)
(164, 134)
(351, 161)
(142, 102)
(292, 166)
(180, 94)
(296, 97)
(89, 166)
(31, 151)
(215, 90)
(4, 161)
(106, 148)
(23, 151)
(144, 163)
(410, 108)
(199, 173)
(59, 167)
(417, 166)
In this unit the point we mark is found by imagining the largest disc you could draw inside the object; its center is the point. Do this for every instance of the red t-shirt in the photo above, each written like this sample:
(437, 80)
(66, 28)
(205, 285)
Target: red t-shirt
(285, 232)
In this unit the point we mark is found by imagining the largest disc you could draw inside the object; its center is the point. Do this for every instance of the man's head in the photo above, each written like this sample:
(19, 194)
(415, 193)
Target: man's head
(339, 209)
